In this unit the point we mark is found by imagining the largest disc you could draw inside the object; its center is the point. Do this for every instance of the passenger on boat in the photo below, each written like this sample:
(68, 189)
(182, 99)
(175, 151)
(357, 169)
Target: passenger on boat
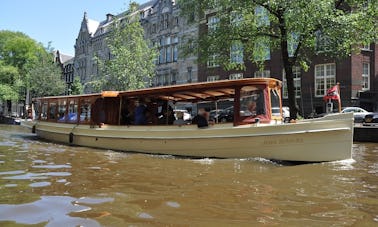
(180, 119)
(201, 119)
(166, 115)
(140, 113)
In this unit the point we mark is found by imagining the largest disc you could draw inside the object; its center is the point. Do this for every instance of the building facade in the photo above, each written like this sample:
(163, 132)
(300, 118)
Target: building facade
(163, 27)
(66, 63)
(357, 75)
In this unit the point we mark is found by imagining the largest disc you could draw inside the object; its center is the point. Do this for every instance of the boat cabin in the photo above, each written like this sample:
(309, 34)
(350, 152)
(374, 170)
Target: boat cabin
(252, 100)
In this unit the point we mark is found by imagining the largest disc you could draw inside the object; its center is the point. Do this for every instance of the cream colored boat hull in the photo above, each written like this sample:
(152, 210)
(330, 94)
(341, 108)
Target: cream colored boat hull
(324, 139)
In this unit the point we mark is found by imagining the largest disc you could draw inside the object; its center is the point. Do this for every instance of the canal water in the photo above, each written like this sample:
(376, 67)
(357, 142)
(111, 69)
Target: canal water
(47, 184)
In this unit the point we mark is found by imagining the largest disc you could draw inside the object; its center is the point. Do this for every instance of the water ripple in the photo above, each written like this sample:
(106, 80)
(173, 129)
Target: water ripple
(49, 210)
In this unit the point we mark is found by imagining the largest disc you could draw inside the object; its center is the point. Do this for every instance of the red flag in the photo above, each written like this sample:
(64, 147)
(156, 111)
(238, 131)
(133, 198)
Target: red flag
(332, 93)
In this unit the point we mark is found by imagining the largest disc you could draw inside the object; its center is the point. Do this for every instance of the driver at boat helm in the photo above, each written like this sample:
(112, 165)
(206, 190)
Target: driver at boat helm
(201, 119)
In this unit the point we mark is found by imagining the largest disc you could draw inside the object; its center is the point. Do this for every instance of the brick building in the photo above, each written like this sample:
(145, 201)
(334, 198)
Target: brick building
(357, 75)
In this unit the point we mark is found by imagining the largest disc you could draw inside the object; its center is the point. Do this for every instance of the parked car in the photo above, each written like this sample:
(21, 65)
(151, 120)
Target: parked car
(358, 113)
(214, 114)
(226, 115)
(371, 119)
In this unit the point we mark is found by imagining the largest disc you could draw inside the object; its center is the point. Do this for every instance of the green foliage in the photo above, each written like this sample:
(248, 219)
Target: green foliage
(7, 92)
(132, 63)
(18, 50)
(45, 76)
(9, 82)
(298, 29)
(26, 65)
(77, 88)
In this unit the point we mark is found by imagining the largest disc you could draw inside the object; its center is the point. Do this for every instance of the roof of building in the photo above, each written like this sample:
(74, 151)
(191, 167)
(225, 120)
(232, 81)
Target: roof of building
(96, 28)
(63, 58)
(92, 26)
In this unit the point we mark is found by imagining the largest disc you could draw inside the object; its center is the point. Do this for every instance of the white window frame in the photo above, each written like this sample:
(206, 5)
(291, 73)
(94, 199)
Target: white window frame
(297, 75)
(212, 23)
(235, 76)
(262, 74)
(262, 16)
(236, 18)
(365, 47)
(324, 78)
(237, 52)
(292, 44)
(365, 83)
(213, 78)
(212, 62)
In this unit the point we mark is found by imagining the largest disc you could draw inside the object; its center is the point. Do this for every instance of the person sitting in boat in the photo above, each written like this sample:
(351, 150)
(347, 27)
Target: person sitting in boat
(165, 115)
(180, 119)
(201, 119)
(140, 113)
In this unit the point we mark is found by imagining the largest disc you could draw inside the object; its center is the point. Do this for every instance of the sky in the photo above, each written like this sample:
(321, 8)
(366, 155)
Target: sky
(54, 20)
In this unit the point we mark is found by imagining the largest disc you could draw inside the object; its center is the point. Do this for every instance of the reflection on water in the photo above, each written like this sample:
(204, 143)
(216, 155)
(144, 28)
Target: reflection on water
(50, 184)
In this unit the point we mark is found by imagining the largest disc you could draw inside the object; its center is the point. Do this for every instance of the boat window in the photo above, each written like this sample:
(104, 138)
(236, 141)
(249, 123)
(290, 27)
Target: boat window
(62, 107)
(85, 110)
(37, 110)
(275, 103)
(52, 111)
(251, 101)
(72, 111)
(44, 111)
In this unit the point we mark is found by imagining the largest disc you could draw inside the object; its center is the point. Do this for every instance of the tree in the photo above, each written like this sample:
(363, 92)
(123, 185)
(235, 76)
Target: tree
(298, 29)
(9, 82)
(132, 58)
(45, 76)
(26, 65)
(77, 87)
(17, 52)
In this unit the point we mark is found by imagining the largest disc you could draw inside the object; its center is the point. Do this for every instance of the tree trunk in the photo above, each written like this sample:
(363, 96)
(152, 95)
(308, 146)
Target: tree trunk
(288, 66)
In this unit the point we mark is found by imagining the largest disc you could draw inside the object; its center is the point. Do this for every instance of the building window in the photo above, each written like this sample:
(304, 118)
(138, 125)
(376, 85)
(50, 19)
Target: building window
(167, 78)
(190, 74)
(212, 23)
(297, 82)
(236, 76)
(162, 56)
(175, 53)
(262, 17)
(262, 74)
(292, 44)
(365, 76)
(325, 78)
(366, 47)
(168, 40)
(213, 61)
(261, 51)
(212, 78)
(323, 42)
(173, 78)
(236, 52)
(168, 55)
(236, 18)
(174, 39)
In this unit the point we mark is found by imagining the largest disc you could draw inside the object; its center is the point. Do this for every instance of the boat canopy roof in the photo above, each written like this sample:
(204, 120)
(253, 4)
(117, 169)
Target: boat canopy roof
(187, 92)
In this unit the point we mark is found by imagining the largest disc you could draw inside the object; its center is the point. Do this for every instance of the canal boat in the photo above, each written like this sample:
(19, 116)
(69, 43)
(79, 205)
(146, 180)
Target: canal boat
(105, 120)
